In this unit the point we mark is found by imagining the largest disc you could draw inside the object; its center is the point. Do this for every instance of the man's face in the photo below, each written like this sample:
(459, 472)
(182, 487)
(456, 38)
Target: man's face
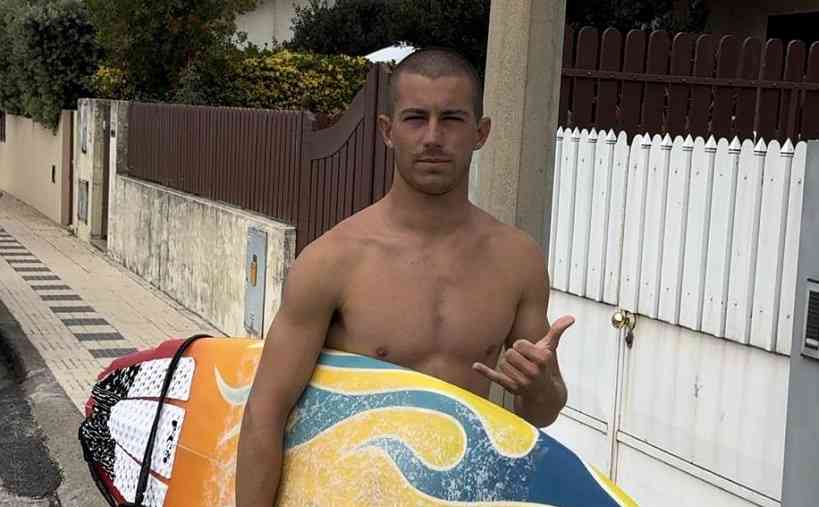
(433, 130)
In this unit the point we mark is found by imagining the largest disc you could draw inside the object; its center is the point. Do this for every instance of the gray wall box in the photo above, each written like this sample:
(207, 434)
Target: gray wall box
(82, 202)
(800, 487)
(255, 269)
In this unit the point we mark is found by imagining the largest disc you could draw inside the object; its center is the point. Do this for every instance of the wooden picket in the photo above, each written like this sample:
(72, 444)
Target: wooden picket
(771, 245)
(601, 215)
(584, 190)
(675, 225)
(635, 222)
(693, 232)
(792, 233)
(653, 233)
(719, 243)
(617, 221)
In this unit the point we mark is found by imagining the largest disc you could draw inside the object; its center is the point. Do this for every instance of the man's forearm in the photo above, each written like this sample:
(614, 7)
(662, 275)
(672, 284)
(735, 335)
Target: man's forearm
(258, 464)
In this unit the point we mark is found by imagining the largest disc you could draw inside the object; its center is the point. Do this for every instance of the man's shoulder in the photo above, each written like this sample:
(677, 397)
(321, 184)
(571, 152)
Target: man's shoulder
(341, 245)
(513, 247)
(508, 239)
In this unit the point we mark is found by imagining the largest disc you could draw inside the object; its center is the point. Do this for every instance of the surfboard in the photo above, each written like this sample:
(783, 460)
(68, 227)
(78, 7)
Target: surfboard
(364, 432)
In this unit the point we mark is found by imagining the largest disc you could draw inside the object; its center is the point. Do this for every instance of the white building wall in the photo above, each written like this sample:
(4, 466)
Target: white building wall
(271, 20)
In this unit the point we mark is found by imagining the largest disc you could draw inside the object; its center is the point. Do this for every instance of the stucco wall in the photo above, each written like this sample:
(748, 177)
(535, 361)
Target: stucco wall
(270, 20)
(31, 165)
(195, 250)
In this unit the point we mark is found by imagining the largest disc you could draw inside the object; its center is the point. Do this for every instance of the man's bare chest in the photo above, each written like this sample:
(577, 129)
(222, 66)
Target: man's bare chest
(416, 309)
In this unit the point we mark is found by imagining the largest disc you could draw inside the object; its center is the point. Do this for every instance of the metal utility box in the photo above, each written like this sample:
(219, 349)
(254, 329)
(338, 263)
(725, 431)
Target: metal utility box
(255, 278)
(799, 485)
(82, 202)
(810, 341)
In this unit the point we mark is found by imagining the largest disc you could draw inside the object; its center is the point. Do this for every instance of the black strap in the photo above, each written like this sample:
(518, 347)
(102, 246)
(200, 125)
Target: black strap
(144, 472)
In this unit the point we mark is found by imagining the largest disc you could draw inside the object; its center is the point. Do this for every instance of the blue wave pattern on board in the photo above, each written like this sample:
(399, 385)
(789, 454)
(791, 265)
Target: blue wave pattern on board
(550, 473)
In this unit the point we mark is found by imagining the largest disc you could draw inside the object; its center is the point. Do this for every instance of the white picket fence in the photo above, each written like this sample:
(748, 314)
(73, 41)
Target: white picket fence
(701, 234)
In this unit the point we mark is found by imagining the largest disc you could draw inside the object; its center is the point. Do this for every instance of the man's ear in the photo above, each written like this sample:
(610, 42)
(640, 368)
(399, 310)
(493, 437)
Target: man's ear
(484, 126)
(385, 125)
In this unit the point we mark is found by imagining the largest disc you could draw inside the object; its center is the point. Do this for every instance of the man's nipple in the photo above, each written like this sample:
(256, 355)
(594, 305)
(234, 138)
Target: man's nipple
(381, 352)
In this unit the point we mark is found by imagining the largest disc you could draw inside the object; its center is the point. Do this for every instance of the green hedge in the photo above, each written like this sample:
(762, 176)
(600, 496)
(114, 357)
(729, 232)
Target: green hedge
(280, 79)
(289, 80)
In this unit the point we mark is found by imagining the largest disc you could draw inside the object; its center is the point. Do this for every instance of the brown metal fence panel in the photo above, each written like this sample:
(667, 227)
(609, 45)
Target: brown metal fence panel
(794, 73)
(681, 59)
(583, 96)
(659, 46)
(810, 101)
(722, 124)
(611, 50)
(701, 94)
(746, 97)
(633, 62)
(225, 154)
(565, 81)
(686, 84)
(767, 118)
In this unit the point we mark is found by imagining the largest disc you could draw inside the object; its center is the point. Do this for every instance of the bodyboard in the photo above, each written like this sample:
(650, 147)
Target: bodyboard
(364, 432)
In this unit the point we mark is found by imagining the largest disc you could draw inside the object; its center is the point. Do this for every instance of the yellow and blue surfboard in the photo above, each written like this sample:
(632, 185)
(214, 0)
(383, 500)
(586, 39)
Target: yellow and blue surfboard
(364, 432)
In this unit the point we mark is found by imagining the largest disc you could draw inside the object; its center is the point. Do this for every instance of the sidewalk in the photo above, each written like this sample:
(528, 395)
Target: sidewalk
(78, 308)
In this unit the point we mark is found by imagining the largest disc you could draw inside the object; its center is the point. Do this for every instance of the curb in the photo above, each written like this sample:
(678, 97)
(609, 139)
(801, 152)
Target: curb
(53, 412)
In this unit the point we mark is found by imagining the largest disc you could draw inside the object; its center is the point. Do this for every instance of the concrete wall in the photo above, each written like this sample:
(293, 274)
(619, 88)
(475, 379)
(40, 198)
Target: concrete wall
(745, 18)
(31, 165)
(90, 159)
(270, 20)
(800, 488)
(195, 250)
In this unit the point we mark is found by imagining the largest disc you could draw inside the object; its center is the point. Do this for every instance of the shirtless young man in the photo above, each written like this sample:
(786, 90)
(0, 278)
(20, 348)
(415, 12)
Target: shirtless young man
(422, 278)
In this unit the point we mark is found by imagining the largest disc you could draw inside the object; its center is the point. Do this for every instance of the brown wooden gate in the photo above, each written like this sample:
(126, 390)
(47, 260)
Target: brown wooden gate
(346, 167)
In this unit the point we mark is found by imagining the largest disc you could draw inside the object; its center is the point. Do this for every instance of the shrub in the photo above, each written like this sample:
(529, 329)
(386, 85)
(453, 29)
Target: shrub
(50, 56)
(153, 41)
(282, 79)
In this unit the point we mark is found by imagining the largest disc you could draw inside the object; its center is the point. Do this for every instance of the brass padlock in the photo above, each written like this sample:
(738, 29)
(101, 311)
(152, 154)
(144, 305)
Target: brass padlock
(624, 318)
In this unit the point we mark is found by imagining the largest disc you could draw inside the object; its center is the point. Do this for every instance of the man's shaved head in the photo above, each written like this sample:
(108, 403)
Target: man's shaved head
(434, 63)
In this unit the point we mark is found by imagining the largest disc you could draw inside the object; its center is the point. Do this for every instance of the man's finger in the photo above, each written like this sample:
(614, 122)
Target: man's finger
(496, 376)
(522, 364)
(532, 352)
(552, 338)
(517, 376)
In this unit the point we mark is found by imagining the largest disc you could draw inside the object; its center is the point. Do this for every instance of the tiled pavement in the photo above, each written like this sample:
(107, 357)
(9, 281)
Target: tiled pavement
(78, 307)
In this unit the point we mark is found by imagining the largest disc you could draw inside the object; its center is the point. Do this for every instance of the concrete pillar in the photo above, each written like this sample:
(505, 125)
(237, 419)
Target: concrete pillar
(513, 181)
(521, 96)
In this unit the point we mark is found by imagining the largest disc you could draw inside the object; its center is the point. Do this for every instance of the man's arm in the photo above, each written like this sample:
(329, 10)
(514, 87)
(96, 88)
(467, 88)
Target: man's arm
(290, 353)
(537, 402)
(528, 367)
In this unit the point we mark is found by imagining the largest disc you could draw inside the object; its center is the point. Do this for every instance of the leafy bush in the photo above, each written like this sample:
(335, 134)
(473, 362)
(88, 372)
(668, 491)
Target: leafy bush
(290, 80)
(152, 42)
(274, 80)
(50, 54)
(112, 83)
(316, 27)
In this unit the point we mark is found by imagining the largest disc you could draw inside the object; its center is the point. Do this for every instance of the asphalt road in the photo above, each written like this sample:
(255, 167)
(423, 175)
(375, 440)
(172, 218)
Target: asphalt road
(28, 477)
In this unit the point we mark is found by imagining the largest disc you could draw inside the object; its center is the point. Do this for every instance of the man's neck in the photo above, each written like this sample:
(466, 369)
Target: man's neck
(414, 212)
